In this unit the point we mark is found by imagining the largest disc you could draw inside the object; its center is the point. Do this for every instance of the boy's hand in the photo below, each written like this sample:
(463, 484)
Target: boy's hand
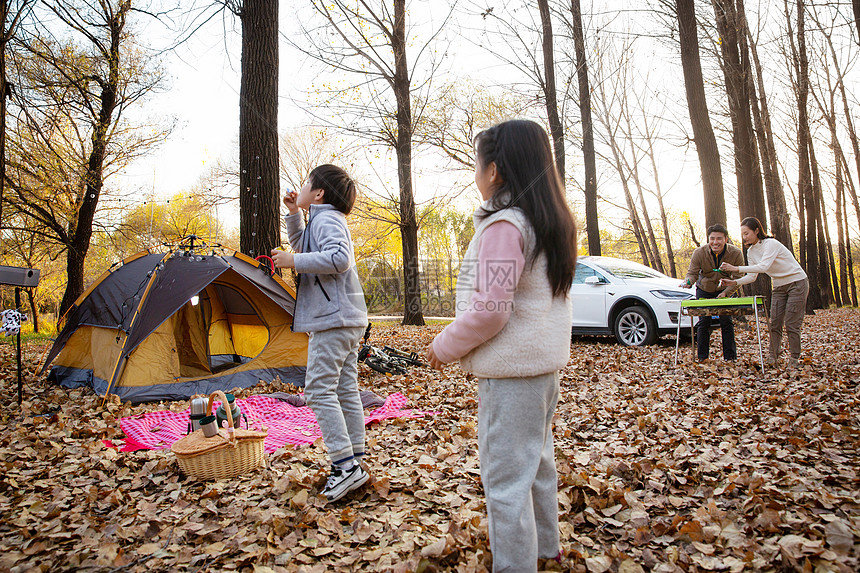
(283, 259)
(290, 201)
(433, 359)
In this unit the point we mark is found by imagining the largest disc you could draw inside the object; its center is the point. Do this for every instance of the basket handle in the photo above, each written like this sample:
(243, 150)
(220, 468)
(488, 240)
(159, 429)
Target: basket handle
(220, 394)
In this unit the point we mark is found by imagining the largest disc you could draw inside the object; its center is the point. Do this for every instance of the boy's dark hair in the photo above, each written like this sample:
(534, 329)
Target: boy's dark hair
(718, 228)
(755, 225)
(524, 160)
(338, 187)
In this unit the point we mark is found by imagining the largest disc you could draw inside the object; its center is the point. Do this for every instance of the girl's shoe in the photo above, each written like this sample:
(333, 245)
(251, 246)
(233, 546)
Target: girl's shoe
(341, 482)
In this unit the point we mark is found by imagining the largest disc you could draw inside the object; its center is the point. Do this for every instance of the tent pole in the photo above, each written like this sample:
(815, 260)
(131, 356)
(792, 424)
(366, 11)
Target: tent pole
(119, 359)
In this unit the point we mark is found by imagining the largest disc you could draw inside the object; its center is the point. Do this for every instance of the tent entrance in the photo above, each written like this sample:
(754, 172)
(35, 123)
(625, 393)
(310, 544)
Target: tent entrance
(234, 330)
(191, 341)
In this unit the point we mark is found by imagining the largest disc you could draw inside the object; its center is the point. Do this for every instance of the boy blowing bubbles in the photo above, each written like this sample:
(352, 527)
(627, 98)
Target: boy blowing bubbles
(330, 307)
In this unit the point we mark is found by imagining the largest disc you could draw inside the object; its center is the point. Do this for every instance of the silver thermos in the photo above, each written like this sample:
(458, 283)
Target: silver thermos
(198, 412)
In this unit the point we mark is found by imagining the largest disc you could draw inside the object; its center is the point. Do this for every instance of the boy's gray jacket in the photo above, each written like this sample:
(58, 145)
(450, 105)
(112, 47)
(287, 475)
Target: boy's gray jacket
(329, 294)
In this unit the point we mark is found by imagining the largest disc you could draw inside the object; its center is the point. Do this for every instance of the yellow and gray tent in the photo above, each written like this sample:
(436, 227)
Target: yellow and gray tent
(167, 326)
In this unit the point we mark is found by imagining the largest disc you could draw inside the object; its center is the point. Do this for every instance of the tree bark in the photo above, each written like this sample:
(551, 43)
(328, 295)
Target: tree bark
(806, 193)
(822, 234)
(849, 123)
(848, 256)
(34, 312)
(259, 184)
(664, 219)
(736, 68)
(840, 215)
(856, 5)
(779, 217)
(828, 110)
(591, 223)
(649, 136)
(648, 230)
(703, 132)
(412, 313)
(80, 231)
(550, 95)
(638, 231)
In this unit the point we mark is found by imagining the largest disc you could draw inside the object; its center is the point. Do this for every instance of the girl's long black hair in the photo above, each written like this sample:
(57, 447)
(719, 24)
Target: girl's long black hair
(524, 160)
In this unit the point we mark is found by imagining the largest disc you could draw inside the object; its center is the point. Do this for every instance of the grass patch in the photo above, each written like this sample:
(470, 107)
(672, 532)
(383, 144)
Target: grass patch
(47, 332)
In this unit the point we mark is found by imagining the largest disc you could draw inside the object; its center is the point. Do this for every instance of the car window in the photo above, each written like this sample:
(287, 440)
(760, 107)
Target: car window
(628, 270)
(583, 272)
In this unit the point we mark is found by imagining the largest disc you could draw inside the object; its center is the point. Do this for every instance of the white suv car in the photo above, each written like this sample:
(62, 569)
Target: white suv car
(631, 301)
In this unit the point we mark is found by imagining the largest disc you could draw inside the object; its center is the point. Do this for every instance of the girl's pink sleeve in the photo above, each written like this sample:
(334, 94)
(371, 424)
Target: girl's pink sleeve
(499, 266)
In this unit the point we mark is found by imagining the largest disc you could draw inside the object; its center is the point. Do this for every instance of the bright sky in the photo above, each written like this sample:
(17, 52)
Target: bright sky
(204, 99)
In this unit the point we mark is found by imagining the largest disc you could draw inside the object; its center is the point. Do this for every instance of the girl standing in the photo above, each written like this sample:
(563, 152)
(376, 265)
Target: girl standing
(790, 286)
(512, 331)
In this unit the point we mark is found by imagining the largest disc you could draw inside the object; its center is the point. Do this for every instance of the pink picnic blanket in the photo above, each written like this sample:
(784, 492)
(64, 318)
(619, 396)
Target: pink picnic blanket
(286, 424)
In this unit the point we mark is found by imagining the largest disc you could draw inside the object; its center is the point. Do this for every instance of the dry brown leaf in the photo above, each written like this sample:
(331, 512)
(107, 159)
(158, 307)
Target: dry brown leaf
(662, 467)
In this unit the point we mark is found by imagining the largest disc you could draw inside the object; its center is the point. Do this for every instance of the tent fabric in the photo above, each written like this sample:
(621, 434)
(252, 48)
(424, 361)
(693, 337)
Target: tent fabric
(175, 325)
(170, 290)
(106, 302)
(72, 378)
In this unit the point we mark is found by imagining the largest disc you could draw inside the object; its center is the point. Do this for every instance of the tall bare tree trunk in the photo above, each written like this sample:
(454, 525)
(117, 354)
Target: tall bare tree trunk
(550, 95)
(34, 312)
(703, 132)
(653, 249)
(779, 216)
(664, 219)
(806, 192)
(648, 136)
(822, 236)
(591, 223)
(635, 222)
(259, 183)
(849, 123)
(840, 215)
(81, 231)
(856, 4)
(412, 311)
(735, 68)
(827, 106)
(848, 256)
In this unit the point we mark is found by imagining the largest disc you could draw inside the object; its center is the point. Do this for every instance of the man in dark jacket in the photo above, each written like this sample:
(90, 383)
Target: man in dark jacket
(705, 273)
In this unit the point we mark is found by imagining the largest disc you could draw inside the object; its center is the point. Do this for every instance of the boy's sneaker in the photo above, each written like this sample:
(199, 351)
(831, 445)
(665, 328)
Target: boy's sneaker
(341, 482)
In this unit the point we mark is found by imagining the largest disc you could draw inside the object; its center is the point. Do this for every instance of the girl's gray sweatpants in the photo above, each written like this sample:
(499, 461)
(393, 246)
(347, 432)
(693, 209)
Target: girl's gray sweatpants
(331, 390)
(517, 457)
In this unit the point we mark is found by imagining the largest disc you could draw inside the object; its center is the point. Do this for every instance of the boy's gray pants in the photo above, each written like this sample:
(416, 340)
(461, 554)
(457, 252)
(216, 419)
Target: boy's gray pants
(517, 457)
(331, 390)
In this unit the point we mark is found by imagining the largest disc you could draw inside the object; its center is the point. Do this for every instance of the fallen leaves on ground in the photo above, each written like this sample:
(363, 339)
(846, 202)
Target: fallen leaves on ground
(700, 467)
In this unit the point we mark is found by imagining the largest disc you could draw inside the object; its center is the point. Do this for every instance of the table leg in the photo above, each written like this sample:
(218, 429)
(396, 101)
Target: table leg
(758, 332)
(677, 337)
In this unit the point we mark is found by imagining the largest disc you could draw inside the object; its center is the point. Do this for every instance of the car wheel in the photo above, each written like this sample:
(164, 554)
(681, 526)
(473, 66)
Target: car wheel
(635, 327)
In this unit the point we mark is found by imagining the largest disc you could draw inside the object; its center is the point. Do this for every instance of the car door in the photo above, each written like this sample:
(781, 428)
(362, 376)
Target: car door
(588, 295)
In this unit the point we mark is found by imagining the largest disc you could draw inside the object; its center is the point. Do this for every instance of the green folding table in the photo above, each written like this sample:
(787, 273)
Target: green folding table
(718, 307)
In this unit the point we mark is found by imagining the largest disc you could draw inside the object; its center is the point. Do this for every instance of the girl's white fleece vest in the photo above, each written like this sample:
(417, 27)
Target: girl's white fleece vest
(536, 339)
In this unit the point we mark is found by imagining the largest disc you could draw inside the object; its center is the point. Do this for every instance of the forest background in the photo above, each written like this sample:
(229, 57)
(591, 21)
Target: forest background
(665, 118)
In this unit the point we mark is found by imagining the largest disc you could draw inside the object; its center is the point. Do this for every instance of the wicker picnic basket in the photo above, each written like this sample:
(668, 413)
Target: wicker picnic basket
(230, 453)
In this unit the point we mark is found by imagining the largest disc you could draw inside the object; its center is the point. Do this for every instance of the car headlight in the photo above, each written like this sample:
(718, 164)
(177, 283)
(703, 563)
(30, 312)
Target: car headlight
(671, 294)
